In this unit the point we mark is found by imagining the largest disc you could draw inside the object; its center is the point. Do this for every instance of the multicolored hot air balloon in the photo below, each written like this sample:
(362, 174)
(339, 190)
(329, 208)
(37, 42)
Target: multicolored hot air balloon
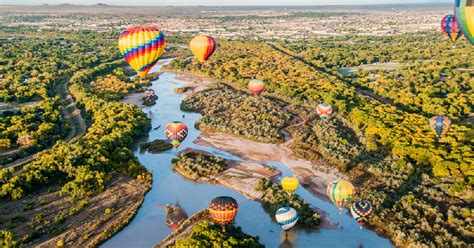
(286, 217)
(202, 47)
(324, 111)
(141, 47)
(440, 125)
(176, 132)
(465, 18)
(360, 211)
(290, 184)
(450, 27)
(223, 210)
(256, 86)
(340, 192)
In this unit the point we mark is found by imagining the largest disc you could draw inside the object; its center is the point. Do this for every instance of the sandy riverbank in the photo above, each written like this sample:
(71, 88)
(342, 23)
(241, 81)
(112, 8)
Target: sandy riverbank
(134, 98)
(314, 177)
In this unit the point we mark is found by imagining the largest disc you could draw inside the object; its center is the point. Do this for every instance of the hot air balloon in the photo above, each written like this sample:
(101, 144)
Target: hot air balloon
(176, 132)
(340, 192)
(360, 211)
(440, 124)
(223, 210)
(286, 217)
(141, 47)
(290, 184)
(324, 111)
(256, 86)
(465, 18)
(450, 27)
(202, 47)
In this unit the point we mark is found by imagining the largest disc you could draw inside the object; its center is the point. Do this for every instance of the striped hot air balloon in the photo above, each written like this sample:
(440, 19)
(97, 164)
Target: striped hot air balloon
(202, 47)
(450, 27)
(286, 217)
(360, 211)
(324, 110)
(141, 47)
(465, 18)
(256, 86)
(290, 184)
(340, 192)
(176, 132)
(440, 125)
(223, 210)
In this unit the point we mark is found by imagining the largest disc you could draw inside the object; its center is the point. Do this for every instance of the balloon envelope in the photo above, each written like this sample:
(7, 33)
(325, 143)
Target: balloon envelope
(324, 110)
(256, 86)
(340, 192)
(176, 132)
(361, 210)
(223, 209)
(141, 47)
(286, 217)
(289, 184)
(465, 18)
(450, 27)
(202, 47)
(440, 124)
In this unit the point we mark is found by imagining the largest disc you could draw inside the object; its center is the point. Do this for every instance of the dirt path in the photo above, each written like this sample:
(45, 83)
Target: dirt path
(71, 114)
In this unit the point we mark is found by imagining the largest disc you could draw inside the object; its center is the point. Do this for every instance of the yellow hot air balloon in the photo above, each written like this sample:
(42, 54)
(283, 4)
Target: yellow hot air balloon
(290, 184)
(340, 192)
(202, 47)
(141, 47)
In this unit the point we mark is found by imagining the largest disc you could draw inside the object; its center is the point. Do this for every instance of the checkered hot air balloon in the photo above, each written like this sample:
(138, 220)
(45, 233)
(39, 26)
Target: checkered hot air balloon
(324, 111)
(360, 211)
(290, 184)
(176, 132)
(340, 192)
(465, 18)
(439, 124)
(141, 47)
(450, 27)
(223, 210)
(256, 86)
(286, 217)
(202, 47)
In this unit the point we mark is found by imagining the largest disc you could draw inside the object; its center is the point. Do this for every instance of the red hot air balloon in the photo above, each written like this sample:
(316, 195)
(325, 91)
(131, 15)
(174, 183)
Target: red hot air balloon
(223, 210)
(256, 87)
(450, 27)
(176, 132)
(324, 111)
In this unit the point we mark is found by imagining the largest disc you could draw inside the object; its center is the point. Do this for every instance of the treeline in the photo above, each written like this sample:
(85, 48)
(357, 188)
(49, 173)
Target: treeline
(33, 128)
(387, 139)
(194, 165)
(231, 111)
(434, 79)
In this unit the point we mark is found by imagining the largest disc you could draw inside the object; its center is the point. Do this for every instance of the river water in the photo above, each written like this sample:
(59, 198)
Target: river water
(149, 225)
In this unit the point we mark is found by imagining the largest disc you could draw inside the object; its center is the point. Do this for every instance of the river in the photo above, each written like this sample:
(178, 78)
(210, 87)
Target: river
(149, 227)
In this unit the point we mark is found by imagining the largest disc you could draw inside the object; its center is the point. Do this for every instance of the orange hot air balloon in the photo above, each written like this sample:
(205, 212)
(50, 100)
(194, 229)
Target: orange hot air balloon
(324, 111)
(256, 86)
(223, 210)
(176, 132)
(202, 47)
(141, 47)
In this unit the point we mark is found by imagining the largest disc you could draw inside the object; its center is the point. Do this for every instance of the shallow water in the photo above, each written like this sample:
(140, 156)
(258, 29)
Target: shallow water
(149, 227)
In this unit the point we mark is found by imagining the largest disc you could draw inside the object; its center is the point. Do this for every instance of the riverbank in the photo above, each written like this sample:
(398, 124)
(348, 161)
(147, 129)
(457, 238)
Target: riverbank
(86, 223)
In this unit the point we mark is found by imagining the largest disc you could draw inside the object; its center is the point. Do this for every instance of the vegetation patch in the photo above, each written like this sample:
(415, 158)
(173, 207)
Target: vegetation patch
(206, 234)
(156, 146)
(275, 197)
(194, 165)
(227, 110)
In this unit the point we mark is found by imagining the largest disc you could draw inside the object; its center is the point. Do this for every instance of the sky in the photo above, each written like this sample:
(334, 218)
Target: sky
(214, 2)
